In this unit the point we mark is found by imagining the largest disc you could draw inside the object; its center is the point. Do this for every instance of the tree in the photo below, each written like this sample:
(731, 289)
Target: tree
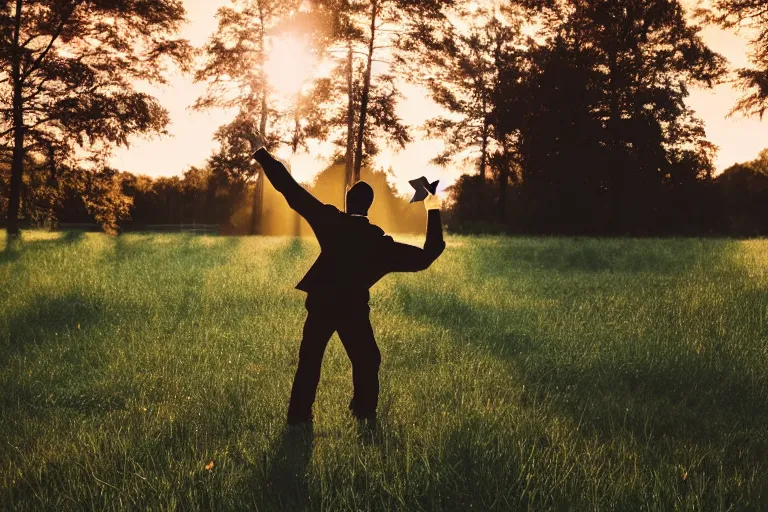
(236, 77)
(235, 74)
(628, 65)
(645, 87)
(342, 119)
(387, 24)
(353, 106)
(389, 211)
(743, 193)
(472, 71)
(231, 164)
(462, 78)
(753, 15)
(69, 68)
(561, 142)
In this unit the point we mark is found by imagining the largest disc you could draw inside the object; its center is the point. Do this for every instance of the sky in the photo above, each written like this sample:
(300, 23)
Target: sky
(190, 139)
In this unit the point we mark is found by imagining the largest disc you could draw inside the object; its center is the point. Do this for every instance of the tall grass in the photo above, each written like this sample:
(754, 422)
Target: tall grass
(518, 374)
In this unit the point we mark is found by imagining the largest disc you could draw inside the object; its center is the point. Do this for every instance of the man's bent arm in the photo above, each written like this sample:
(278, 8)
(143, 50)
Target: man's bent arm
(307, 205)
(409, 258)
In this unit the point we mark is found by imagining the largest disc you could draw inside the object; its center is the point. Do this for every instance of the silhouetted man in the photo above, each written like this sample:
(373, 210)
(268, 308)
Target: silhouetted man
(354, 255)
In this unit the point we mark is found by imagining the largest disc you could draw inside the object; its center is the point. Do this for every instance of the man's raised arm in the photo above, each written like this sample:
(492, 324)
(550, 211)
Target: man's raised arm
(298, 198)
(409, 258)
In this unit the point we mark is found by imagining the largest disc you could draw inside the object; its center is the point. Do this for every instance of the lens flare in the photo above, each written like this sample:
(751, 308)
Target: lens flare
(289, 65)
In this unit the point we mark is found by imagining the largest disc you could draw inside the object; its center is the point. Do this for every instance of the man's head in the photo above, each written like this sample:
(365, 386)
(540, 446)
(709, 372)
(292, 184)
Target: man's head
(359, 198)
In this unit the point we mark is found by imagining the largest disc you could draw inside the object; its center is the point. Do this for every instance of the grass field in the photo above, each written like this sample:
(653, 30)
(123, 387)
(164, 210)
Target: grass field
(518, 374)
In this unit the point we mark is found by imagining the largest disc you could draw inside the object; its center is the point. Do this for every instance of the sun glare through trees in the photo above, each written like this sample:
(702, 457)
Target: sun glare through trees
(290, 65)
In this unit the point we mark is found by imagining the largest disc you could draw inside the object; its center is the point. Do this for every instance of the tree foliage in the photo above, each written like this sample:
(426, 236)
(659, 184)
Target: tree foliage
(743, 197)
(384, 25)
(68, 89)
(751, 15)
(596, 110)
(465, 67)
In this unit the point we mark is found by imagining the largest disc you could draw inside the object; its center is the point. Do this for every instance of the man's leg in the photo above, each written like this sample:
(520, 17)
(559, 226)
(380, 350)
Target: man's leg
(356, 335)
(318, 329)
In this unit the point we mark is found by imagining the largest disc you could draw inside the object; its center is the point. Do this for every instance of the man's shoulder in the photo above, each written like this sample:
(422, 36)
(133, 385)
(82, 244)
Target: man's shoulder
(381, 235)
(364, 227)
(329, 208)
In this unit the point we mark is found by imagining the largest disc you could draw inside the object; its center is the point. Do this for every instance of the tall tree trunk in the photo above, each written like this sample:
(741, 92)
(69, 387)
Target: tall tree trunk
(618, 177)
(256, 207)
(53, 184)
(350, 154)
(296, 139)
(484, 151)
(485, 212)
(258, 193)
(17, 168)
(503, 184)
(211, 205)
(365, 94)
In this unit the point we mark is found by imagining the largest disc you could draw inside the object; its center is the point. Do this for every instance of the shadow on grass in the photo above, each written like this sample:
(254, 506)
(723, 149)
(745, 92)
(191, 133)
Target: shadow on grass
(295, 249)
(625, 255)
(16, 247)
(54, 329)
(690, 398)
(470, 319)
(284, 259)
(52, 318)
(692, 403)
(287, 485)
(174, 264)
(702, 410)
(165, 248)
(71, 332)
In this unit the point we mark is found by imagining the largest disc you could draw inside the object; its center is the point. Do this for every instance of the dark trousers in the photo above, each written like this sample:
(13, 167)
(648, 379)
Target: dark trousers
(351, 320)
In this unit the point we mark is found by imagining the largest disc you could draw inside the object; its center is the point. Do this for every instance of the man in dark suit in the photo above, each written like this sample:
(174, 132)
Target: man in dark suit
(354, 255)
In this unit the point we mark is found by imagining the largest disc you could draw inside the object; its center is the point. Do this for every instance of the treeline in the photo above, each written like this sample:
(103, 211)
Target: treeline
(734, 203)
(201, 196)
(583, 127)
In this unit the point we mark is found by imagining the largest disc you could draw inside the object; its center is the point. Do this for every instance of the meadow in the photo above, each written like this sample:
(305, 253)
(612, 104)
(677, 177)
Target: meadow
(152, 371)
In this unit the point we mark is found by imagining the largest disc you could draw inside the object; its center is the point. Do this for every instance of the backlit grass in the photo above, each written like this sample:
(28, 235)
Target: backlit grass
(518, 373)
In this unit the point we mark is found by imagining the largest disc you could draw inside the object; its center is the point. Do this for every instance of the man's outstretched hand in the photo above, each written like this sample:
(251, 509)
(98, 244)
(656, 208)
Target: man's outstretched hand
(432, 202)
(256, 140)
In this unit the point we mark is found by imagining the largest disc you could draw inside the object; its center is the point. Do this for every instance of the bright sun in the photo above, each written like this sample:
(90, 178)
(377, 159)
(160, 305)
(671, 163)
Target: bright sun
(289, 65)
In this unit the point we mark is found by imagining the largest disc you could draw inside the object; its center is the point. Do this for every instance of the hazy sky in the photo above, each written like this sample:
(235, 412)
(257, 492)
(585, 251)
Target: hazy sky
(190, 142)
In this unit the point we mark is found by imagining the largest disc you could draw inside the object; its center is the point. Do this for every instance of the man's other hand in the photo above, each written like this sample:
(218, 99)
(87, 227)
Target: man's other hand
(432, 202)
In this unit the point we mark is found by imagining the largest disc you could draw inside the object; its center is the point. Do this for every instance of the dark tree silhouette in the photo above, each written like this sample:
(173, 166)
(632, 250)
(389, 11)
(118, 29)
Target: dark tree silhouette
(375, 29)
(752, 15)
(476, 74)
(561, 143)
(623, 124)
(462, 78)
(68, 97)
(743, 194)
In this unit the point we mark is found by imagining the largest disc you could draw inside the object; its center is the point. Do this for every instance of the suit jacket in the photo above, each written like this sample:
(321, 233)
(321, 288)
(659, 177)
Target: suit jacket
(354, 254)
